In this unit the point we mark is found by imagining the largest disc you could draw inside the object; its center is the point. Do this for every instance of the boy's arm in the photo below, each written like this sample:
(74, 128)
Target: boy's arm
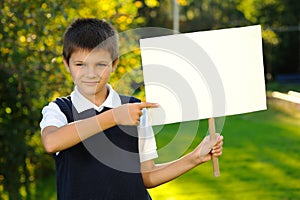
(154, 175)
(57, 139)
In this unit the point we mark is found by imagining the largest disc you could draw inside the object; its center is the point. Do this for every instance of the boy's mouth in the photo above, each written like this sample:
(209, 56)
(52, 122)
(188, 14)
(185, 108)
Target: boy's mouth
(91, 83)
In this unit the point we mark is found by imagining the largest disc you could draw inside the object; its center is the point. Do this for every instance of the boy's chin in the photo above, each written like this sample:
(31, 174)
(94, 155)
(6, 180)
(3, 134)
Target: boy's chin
(90, 91)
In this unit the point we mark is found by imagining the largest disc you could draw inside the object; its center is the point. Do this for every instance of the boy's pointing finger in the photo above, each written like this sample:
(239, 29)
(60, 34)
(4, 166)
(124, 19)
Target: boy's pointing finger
(149, 105)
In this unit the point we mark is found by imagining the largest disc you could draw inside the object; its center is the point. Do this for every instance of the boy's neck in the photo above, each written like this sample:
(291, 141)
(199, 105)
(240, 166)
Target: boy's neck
(100, 98)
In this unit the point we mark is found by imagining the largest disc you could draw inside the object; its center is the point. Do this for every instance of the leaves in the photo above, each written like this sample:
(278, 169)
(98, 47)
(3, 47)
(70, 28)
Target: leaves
(32, 74)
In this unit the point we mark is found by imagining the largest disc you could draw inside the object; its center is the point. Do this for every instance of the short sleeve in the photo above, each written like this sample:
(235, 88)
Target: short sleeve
(52, 116)
(147, 143)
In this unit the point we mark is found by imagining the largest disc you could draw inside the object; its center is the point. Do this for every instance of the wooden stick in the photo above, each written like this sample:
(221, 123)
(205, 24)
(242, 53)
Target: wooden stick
(212, 132)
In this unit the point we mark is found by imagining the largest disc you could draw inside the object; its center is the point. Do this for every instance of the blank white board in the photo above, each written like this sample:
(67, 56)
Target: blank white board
(204, 74)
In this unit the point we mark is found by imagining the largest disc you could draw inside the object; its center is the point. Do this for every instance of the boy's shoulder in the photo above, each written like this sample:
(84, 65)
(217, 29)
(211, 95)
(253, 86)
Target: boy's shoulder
(65, 105)
(63, 101)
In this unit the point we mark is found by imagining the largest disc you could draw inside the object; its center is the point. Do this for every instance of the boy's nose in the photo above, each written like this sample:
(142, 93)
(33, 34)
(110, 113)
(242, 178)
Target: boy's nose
(91, 72)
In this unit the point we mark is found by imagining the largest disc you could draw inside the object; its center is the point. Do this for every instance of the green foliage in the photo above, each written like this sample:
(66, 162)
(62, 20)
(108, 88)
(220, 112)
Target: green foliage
(26, 51)
(280, 22)
(32, 74)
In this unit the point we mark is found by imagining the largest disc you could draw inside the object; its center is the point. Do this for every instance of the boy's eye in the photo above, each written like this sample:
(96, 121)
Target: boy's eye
(79, 64)
(101, 65)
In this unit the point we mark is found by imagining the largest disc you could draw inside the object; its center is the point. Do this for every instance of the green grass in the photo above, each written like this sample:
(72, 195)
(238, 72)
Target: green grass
(261, 160)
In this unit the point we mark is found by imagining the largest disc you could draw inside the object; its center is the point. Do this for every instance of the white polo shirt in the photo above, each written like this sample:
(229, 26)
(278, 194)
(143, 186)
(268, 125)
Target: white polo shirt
(52, 116)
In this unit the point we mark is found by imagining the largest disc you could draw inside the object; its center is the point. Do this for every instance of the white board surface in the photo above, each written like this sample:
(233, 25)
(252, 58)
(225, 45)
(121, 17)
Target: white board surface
(204, 74)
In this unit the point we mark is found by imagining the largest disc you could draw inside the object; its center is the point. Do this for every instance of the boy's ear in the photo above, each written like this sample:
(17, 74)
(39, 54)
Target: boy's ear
(66, 65)
(114, 64)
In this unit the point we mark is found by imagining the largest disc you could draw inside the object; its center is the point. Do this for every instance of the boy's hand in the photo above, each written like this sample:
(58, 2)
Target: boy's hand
(129, 114)
(209, 146)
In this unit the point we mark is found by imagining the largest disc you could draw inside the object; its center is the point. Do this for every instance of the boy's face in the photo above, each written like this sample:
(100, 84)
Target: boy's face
(90, 71)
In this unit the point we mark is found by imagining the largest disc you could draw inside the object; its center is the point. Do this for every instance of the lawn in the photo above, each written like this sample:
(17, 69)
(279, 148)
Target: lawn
(261, 160)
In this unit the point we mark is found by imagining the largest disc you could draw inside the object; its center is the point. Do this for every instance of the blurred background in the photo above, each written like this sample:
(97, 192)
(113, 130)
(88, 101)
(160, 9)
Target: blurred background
(261, 152)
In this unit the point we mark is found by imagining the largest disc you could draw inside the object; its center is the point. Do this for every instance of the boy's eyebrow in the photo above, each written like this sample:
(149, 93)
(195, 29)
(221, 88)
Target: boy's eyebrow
(98, 61)
(106, 60)
(103, 61)
(77, 60)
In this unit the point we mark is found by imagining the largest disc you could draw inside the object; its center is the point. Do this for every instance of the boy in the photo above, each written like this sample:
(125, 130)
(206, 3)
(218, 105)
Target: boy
(102, 145)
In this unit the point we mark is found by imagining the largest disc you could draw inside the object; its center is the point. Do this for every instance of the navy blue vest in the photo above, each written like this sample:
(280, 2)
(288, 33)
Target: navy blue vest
(105, 166)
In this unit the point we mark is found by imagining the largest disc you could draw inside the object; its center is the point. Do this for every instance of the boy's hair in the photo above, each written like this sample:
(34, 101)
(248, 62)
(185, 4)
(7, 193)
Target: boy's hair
(90, 33)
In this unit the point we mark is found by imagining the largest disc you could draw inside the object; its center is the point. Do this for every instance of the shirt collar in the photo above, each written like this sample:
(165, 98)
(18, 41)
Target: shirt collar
(81, 103)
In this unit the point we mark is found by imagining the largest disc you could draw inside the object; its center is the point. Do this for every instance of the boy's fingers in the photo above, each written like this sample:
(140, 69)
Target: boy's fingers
(214, 138)
(148, 105)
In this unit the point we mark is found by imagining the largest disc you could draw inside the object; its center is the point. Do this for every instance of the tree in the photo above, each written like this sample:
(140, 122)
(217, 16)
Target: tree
(27, 48)
(280, 22)
(32, 74)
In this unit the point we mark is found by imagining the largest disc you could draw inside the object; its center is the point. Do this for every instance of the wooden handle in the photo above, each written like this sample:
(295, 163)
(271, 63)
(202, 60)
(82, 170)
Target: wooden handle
(212, 132)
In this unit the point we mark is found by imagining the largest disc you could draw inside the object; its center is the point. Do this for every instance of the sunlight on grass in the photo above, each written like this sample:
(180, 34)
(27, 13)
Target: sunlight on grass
(260, 160)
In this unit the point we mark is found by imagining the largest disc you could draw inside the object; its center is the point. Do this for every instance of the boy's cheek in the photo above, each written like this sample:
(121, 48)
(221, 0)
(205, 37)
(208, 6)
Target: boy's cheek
(75, 77)
(106, 73)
